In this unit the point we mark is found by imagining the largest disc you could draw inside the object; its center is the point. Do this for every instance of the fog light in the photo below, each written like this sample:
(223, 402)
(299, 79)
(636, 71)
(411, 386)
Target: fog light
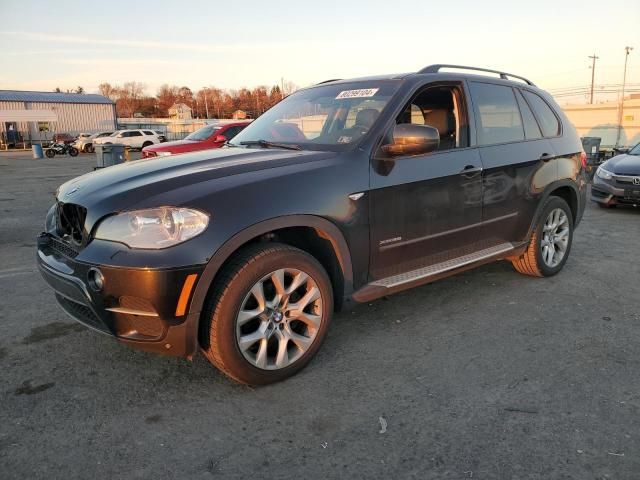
(96, 279)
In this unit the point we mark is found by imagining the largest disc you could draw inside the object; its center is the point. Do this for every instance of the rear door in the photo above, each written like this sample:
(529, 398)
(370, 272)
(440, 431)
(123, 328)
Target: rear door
(427, 209)
(134, 139)
(518, 162)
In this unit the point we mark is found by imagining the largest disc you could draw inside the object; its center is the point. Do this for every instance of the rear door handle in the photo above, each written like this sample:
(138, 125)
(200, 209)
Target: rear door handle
(470, 171)
(545, 157)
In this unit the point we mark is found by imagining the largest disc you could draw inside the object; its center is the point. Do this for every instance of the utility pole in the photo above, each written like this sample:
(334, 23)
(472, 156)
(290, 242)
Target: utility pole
(593, 73)
(627, 50)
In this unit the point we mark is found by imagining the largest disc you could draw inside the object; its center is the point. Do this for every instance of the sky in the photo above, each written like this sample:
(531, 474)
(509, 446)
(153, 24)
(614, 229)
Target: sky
(248, 43)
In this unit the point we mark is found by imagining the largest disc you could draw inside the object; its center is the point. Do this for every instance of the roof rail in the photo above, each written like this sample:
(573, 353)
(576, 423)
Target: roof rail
(330, 80)
(505, 76)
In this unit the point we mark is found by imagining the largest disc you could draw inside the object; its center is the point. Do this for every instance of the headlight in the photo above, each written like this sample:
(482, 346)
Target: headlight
(163, 154)
(604, 174)
(153, 228)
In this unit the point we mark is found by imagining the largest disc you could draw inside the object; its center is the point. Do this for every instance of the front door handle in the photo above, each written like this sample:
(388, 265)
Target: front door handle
(470, 171)
(545, 157)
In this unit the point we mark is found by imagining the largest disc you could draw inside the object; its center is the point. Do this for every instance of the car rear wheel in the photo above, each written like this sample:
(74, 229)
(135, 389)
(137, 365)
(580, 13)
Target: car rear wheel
(146, 144)
(550, 243)
(267, 315)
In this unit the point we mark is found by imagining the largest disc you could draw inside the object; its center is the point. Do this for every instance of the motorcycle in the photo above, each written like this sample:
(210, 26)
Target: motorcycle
(61, 149)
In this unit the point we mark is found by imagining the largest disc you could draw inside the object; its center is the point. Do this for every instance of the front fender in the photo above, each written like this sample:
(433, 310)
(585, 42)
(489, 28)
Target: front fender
(324, 227)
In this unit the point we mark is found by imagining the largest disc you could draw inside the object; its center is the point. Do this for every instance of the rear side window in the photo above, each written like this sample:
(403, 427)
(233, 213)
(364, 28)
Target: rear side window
(135, 134)
(148, 132)
(531, 128)
(548, 120)
(497, 114)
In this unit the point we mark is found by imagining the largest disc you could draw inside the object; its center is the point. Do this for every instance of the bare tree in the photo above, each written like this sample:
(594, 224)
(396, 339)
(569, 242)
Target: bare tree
(108, 91)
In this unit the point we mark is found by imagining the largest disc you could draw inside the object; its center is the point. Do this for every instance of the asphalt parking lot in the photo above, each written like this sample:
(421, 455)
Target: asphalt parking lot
(485, 375)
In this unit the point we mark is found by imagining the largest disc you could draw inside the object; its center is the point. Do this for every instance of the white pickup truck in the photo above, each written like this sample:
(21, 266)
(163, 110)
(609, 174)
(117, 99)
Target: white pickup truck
(131, 138)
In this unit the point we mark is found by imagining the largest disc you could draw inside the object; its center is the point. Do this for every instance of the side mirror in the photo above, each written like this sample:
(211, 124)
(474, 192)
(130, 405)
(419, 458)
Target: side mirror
(409, 139)
(219, 139)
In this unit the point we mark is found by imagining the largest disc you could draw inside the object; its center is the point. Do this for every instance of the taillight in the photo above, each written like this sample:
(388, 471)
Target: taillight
(583, 159)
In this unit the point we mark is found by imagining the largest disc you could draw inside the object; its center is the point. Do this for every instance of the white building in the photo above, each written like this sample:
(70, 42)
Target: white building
(27, 117)
(602, 120)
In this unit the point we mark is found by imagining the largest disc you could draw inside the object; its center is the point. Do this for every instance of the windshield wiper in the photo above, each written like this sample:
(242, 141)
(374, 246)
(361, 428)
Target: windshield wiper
(267, 144)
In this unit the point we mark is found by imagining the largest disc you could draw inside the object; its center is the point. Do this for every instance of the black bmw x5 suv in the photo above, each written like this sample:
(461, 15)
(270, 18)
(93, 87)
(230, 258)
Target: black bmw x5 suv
(345, 191)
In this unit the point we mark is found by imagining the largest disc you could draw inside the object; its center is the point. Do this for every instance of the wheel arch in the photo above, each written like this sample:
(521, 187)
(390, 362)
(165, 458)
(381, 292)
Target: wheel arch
(284, 228)
(564, 189)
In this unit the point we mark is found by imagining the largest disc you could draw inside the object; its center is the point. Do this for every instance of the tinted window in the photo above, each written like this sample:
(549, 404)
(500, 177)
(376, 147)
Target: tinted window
(497, 113)
(548, 120)
(231, 132)
(148, 132)
(135, 134)
(531, 128)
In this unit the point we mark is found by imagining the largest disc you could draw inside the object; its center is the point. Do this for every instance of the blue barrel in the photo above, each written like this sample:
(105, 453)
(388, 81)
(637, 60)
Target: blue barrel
(37, 151)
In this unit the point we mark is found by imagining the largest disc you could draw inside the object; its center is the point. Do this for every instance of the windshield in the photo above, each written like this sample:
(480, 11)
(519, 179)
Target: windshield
(328, 117)
(203, 133)
(635, 150)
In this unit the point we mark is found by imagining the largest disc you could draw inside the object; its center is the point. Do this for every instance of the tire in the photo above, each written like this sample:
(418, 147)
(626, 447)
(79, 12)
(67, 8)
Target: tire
(50, 153)
(89, 148)
(535, 260)
(223, 327)
(73, 151)
(146, 144)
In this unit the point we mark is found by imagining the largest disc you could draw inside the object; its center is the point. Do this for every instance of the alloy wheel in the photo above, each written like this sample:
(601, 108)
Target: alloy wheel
(279, 319)
(555, 237)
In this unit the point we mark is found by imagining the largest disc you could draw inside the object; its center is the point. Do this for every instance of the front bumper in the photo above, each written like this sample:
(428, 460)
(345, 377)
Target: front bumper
(137, 306)
(618, 191)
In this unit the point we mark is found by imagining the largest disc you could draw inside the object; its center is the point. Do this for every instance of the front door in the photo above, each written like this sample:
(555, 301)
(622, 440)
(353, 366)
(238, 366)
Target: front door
(427, 209)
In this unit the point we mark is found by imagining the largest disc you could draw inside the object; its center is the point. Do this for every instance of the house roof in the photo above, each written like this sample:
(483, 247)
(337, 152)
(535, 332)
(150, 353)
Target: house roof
(51, 97)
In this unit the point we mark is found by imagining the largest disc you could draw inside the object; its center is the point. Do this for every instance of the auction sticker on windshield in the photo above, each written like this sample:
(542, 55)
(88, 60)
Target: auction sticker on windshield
(360, 93)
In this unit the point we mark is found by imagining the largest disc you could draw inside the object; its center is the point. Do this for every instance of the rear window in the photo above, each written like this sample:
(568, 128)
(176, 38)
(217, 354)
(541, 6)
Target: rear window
(548, 120)
(497, 114)
(531, 128)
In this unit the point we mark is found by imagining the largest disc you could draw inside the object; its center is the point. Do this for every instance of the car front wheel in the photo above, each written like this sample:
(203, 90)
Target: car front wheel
(267, 314)
(550, 243)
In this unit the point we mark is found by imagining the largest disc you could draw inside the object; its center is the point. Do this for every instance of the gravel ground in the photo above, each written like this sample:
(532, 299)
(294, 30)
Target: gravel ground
(485, 375)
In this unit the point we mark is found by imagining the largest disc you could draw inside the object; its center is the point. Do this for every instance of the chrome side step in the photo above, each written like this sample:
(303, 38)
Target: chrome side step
(439, 268)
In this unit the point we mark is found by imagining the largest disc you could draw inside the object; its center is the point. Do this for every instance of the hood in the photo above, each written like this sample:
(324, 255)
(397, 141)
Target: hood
(624, 164)
(161, 147)
(154, 182)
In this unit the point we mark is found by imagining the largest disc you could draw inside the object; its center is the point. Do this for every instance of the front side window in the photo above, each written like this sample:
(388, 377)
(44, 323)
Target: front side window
(548, 120)
(326, 117)
(439, 107)
(497, 114)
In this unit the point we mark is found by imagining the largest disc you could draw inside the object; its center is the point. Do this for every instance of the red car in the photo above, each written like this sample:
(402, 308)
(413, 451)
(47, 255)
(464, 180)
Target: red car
(211, 136)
